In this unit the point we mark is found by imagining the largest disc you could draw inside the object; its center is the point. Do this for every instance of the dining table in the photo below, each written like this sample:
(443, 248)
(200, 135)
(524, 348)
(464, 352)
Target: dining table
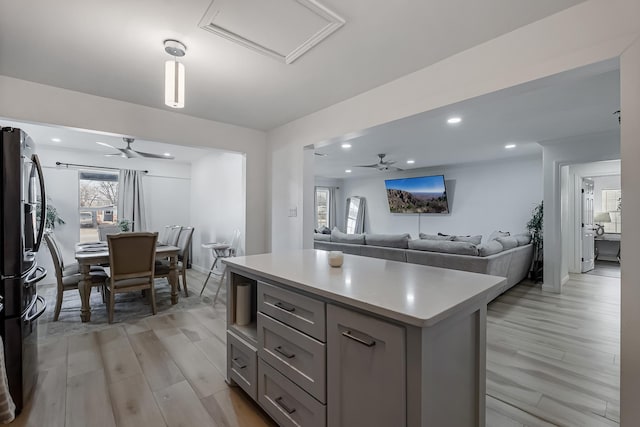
(97, 253)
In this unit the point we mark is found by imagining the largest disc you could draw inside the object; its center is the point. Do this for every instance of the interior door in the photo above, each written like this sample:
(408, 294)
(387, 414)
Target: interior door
(588, 244)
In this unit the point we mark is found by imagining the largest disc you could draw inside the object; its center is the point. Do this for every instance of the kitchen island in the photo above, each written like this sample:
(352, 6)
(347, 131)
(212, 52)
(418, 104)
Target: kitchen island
(372, 343)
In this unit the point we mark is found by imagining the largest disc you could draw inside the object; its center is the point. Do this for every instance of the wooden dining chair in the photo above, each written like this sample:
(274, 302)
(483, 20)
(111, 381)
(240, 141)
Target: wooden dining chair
(131, 260)
(162, 268)
(68, 276)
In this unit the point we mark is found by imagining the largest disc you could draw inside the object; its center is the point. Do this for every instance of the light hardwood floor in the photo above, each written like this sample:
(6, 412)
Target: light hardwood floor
(551, 360)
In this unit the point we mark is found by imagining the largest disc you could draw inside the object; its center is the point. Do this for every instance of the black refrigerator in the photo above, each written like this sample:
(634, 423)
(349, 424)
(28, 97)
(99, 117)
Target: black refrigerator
(22, 221)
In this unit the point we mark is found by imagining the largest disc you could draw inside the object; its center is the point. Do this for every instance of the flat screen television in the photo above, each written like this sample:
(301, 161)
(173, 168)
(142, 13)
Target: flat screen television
(424, 194)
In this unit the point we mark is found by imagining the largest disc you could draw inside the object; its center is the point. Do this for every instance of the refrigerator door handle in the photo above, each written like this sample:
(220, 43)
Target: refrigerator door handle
(43, 202)
(40, 312)
(35, 277)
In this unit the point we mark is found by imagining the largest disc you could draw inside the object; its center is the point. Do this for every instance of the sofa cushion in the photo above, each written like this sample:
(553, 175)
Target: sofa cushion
(471, 239)
(338, 236)
(322, 237)
(508, 242)
(523, 239)
(434, 237)
(490, 248)
(388, 240)
(444, 246)
(498, 233)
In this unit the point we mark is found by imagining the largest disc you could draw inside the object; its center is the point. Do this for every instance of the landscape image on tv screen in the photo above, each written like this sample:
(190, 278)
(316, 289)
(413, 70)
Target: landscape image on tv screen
(426, 194)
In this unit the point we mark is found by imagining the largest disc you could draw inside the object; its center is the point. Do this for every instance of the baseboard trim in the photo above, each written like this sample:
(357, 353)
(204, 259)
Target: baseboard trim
(200, 269)
(565, 279)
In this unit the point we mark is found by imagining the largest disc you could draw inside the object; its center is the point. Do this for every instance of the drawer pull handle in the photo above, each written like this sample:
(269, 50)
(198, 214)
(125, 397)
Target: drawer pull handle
(284, 307)
(370, 343)
(238, 364)
(284, 406)
(285, 353)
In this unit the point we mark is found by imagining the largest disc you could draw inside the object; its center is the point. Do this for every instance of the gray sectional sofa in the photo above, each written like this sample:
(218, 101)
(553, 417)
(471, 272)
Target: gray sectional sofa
(501, 255)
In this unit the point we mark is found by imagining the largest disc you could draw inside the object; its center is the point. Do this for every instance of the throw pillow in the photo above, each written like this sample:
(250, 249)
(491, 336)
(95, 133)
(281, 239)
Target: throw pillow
(498, 233)
(444, 246)
(523, 239)
(434, 237)
(324, 230)
(400, 241)
(508, 242)
(471, 239)
(490, 248)
(338, 236)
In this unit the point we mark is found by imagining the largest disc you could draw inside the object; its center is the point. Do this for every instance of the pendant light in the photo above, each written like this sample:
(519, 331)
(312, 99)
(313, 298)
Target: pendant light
(174, 74)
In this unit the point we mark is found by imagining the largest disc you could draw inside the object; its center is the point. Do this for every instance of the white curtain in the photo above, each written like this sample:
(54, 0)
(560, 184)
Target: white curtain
(131, 199)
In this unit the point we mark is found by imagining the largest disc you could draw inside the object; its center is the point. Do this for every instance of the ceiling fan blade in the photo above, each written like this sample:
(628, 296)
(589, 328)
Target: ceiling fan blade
(154, 156)
(375, 165)
(388, 163)
(104, 144)
(396, 169)
(116, 155)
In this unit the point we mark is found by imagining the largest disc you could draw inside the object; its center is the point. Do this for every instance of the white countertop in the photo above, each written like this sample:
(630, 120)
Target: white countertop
(415, 294)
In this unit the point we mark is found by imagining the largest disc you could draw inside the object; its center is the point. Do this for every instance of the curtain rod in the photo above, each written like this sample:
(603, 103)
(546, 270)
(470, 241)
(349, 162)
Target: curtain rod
(91, 167)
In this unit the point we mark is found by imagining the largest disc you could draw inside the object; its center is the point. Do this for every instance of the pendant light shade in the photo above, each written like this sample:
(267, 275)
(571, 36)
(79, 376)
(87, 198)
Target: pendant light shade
(174, 84)
(174, 74)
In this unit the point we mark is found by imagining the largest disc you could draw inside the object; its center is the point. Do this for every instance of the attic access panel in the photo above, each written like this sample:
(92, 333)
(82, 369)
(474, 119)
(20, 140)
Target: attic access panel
(282, 29)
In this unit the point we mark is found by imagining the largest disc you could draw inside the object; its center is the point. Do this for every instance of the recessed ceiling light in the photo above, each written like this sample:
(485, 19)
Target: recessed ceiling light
(454, 120)
(167, 154)
(348, 170)
(410, 162)
(346, 145)
(56, 139)
(510, 146)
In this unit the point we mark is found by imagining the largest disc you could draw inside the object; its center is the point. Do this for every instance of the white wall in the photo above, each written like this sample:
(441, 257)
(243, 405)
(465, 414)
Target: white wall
(481, 198)
(630, 244)
(37, 103)
(217, 203)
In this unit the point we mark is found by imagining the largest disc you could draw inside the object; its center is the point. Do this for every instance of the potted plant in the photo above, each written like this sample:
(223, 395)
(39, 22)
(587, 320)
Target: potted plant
(52, 218)
(125, 225)
(535, 228)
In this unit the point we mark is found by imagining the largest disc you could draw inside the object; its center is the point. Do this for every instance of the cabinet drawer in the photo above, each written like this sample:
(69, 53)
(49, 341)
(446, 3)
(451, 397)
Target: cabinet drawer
(242, 363)
(298, 311)
(299, 357)
(288, 404)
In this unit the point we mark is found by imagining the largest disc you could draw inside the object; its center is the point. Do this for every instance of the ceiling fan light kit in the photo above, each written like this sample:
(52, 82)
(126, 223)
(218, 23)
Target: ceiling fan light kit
(382, 165)
(174, 74)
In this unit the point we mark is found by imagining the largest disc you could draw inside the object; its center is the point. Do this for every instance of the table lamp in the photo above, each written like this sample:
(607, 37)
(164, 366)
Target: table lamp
(599, 220)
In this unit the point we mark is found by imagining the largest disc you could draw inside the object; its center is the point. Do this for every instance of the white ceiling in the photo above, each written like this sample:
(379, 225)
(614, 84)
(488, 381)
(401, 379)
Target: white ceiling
(115, 49)
(575, 103)
(85, 141)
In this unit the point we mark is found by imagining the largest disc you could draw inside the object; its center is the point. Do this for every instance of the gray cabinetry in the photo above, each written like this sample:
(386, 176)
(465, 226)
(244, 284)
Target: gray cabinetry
(366, 370)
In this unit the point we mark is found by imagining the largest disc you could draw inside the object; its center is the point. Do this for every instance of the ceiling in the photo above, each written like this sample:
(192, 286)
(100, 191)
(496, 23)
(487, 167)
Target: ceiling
(85, 141)
(115, 49)
(575, 103)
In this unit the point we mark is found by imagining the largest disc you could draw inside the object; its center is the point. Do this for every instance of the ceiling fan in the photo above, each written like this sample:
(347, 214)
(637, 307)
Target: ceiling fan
(382, 164)
(130, 153)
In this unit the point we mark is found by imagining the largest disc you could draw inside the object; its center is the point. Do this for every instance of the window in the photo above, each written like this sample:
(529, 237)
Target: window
(98, 202)
(322, 207)
(612, 203)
